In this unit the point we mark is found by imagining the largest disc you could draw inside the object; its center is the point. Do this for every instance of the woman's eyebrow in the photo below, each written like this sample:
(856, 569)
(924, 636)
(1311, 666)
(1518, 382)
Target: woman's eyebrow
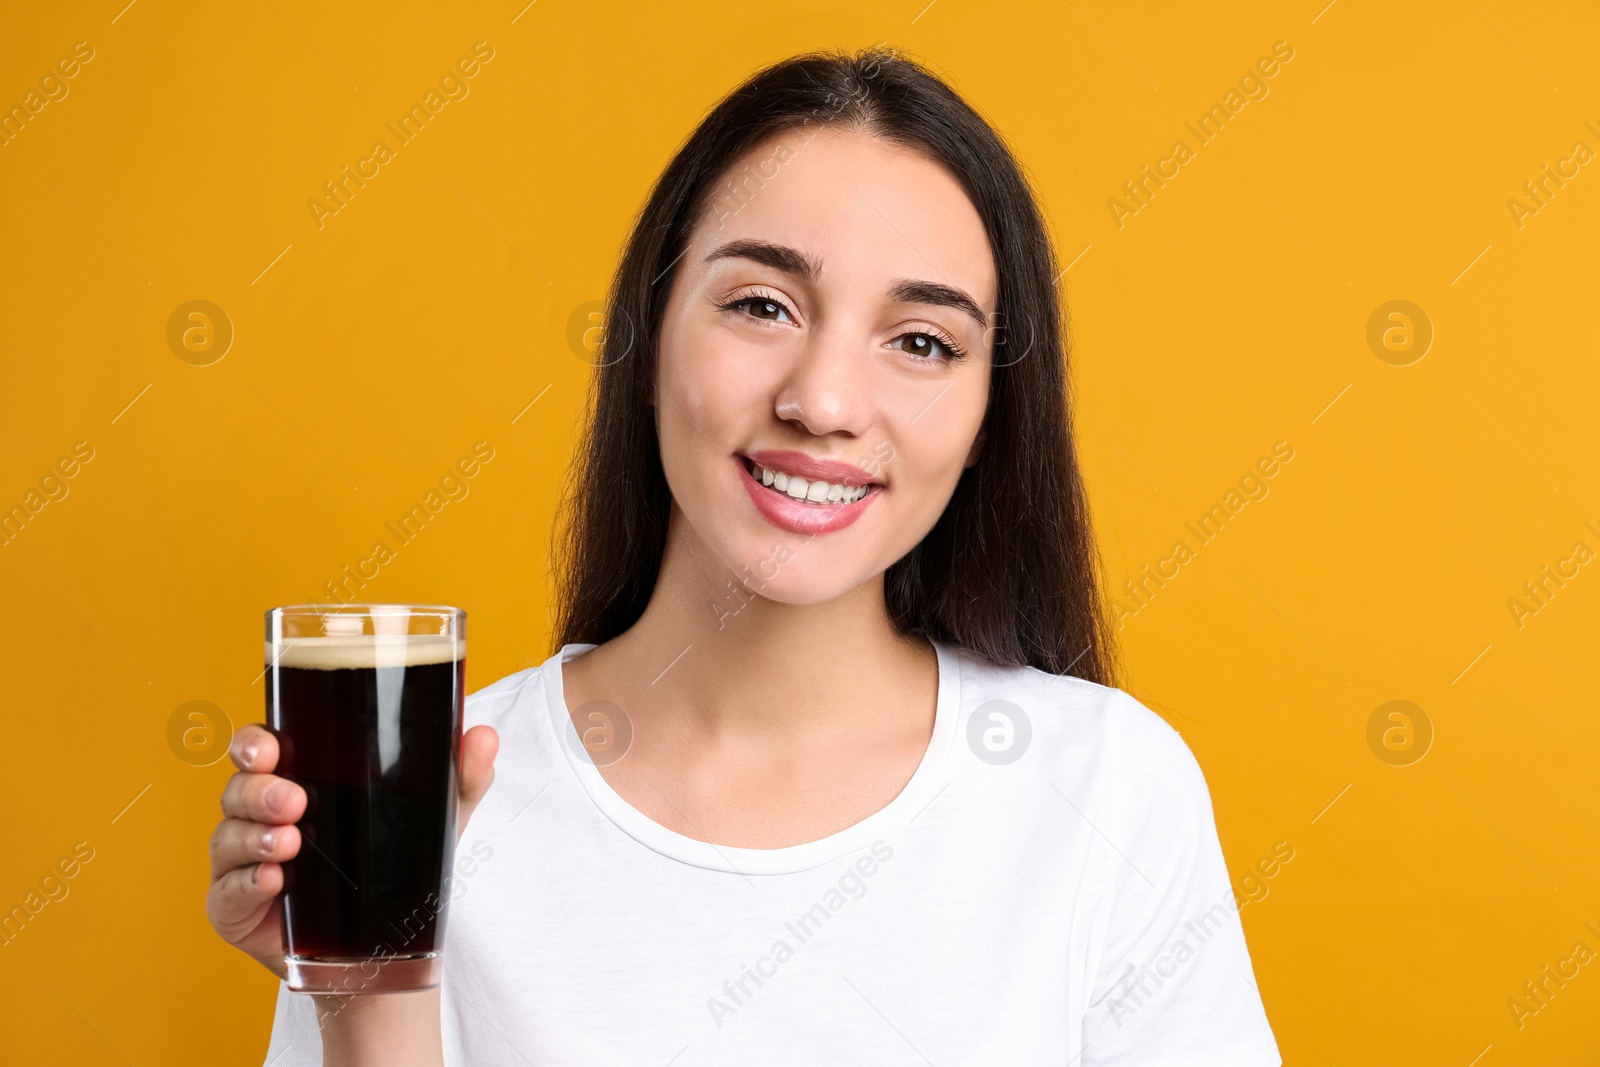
(792, 261)
(915, 292)
(778, 257)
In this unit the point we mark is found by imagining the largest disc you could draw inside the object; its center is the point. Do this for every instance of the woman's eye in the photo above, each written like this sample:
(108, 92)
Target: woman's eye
(925, 346)
(758, 308)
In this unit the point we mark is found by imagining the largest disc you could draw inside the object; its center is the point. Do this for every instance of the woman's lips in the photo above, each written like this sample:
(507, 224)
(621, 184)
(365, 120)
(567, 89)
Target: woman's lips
(785, 512)
(810, 467)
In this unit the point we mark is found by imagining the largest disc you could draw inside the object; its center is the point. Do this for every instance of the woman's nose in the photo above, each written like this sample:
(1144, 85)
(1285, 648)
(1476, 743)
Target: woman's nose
(829, 388)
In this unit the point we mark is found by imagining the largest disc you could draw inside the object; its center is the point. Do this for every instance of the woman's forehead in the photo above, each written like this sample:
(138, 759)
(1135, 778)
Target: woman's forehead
(861, 209)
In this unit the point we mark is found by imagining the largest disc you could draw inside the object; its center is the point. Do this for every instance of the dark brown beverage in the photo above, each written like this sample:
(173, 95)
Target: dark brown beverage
(370, 727)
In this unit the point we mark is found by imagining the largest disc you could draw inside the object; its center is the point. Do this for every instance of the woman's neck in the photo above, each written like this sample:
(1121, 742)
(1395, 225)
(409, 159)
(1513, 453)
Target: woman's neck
(723, 660)
(754, 723)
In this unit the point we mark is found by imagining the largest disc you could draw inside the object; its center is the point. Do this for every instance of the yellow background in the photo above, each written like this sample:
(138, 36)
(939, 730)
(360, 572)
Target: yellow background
(1228, 314)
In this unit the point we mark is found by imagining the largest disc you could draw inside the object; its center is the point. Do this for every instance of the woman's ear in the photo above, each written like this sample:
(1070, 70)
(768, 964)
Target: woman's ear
(977, 448)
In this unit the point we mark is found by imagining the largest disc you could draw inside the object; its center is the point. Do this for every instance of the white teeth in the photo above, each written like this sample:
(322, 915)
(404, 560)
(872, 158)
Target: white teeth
(814, 492)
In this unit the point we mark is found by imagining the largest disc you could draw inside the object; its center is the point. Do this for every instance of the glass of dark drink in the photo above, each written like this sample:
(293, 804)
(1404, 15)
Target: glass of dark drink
(366, 703)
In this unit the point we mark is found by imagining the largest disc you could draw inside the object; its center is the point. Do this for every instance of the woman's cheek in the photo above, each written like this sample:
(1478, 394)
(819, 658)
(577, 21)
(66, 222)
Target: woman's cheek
(928, 454)
(718, 386)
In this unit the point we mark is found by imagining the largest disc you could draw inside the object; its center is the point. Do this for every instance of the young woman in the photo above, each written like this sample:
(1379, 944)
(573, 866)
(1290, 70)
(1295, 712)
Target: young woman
(868, 793)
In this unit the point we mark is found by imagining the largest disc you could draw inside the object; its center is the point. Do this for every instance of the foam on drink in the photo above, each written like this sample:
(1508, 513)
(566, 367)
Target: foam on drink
(358, 652)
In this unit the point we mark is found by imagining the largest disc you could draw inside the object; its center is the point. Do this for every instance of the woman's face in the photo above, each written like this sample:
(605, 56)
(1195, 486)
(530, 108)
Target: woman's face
(825, 361)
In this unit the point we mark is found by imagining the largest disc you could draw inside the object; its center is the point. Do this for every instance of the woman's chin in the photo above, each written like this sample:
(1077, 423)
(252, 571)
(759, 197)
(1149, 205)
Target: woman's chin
(779, 571)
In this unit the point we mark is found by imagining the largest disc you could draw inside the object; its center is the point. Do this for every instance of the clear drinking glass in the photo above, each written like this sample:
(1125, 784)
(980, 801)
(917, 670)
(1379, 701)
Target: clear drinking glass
(366, 702)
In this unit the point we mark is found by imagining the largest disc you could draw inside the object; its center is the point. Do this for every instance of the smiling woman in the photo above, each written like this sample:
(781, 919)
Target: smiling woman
(917, 197)
(844, 404)
(814, 339)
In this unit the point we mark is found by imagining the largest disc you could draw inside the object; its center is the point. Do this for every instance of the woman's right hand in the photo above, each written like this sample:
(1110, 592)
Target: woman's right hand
(255, 838)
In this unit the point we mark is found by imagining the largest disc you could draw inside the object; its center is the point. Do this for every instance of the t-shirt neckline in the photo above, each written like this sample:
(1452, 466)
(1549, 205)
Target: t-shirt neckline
(919, 790)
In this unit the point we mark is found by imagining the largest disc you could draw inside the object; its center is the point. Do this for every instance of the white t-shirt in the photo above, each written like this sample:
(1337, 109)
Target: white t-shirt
(1047, 889)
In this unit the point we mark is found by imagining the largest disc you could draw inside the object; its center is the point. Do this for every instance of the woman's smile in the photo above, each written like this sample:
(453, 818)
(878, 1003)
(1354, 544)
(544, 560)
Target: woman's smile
(836, 494)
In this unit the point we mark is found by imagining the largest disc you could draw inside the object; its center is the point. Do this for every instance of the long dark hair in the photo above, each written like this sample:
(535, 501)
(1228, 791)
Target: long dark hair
(1009, 571)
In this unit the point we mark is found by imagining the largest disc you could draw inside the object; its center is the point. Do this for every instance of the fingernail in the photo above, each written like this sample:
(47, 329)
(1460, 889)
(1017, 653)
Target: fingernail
(255, 875)
(249, 753)
(276, 796)
(268, 840)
